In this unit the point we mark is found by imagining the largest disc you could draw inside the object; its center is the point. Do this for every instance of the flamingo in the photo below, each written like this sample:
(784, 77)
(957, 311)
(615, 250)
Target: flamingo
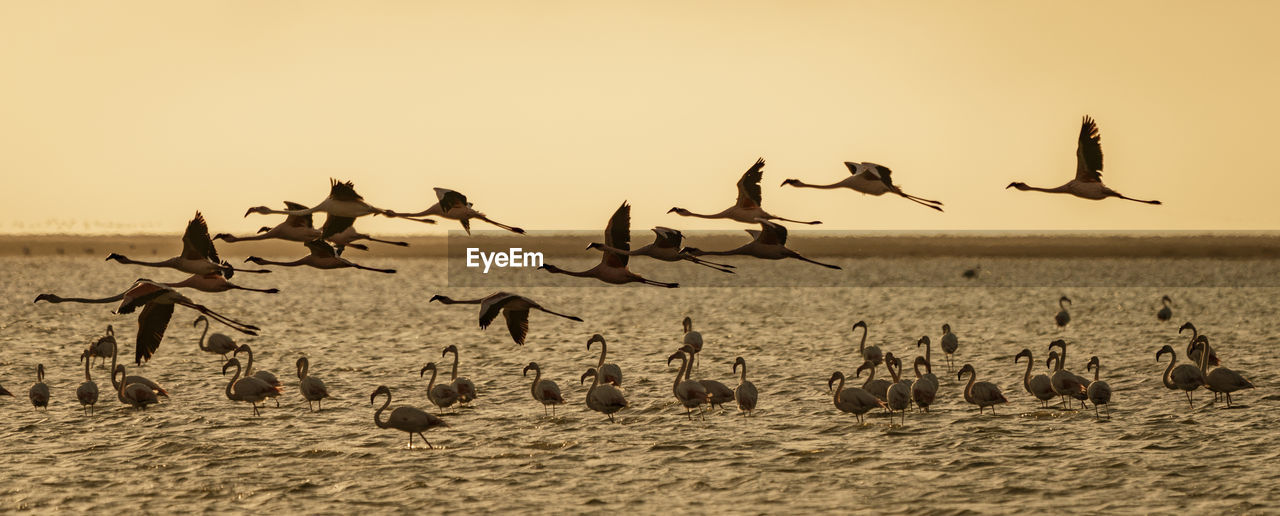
(768, 243)
(463, 386)
(322, 256)
(155, 387)
(853, 400)
(87, 392)
(157, 302)
(136, 395)
(667, 247)
(692, 338)
(404, 419)
(717, 393)
(605, 398)
(609, 373)
(689, 393)
(103, 347)
(982, 394)
(1039, 386)
(1193, 350)
(745, 392)
(515, 310)
(295, 228)
(928, 362)
(215, 282)
(545, 392)
(1062, 318)
(869, 179)
(198, 253)
(613, 266)
(266, 376)
(342, 232)
(218, 343)
(868, 353)
(1185, 377)
(1220, 379)
(950, 343)
(453, 205)
(312, 388)
(441, 395)
(1165, 312)
(1066, 383)
(343, 201)
(39, 392)
(877, 387)
(898, 396)
(923, 391)
(1099, 392)
(747, 209)
(249, 388)
(1088, 181)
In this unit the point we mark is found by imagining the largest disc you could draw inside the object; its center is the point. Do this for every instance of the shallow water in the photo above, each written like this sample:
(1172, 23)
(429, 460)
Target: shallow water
(798, 454)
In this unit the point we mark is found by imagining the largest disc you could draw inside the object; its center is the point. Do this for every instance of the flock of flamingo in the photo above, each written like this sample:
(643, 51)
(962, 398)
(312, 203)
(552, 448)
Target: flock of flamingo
(209, 273)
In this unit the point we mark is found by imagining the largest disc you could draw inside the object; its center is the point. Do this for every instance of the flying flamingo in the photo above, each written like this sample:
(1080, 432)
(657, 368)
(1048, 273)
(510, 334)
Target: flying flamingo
(923, 390)
(768, 243)
(198, 256)
(87, 392)
(404, 419)
(689, 393)
(1039, 386)
(343, 201)
(1220, 379)
(266, 377)
(514, 308)
(613, 267)
(157, 302)
(667, 247)
(295, 228)
(463, 386)
(441, 395)
(868, 353)
(454, 205)
(1088, 181)
(982, 394)
(1193, 350)
(249, 388)
(853, 400)
(136, 395)
(745, 392)
(1099, 392)
(218, 343)
(322, 256)
(545, 392)
(870, 179)
(1185, 377)
(312, 388)
(605, 398)
(1165, 312)
(215, 282)
(747, 209)
(39, 392)
(1062, 318)
(950, 343)
(342, 232)
(609, 373)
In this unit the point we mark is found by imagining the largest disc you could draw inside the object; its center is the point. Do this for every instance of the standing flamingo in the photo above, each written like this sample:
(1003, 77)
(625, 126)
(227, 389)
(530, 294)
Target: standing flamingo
(1193, 350)
(104, 347)
(218, 343)
(609, 373)
(613, 266)
(1099, 392)
(1039, 386)
(1220, 379)
(311, 388)
(1066, 383)
(441, 395)
(136, 395)
(463, 386)
(666, 247)
(853, 400)
(876, 386)
(249, 388)
(605, 398)
(868, 353)
(322, 256)
(689, 393)
(1185, 377)
(267, 377)
(155, 387)
(950, 343)
(982, 394)
(1062, 318)
(717, 393)
(514, 308)
(869, 179)
(898, 397)
(1165, 312)
(692, 338)
(404, 419)
(745, 392)
(768, 243)
(545, 392)
(87, 392)
(1088, 181)
(454, 205)
(39, 392)
(928, 362)
(923, 390)
(747, 208)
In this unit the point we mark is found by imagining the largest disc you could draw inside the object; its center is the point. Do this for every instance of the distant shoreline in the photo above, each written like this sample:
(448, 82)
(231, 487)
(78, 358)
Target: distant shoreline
(851, 244)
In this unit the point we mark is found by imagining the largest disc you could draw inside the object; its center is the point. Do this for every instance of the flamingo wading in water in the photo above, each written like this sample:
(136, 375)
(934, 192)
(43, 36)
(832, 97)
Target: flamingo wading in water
(982, 394)
(404, 419)
(545, 392)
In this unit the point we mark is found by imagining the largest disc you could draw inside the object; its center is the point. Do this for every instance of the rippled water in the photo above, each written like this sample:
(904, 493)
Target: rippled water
(797, 454)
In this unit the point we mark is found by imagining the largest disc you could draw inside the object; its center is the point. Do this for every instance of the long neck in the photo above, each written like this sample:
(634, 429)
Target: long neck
(1168, 371)
(862, 344)
(1059, 189)
(432, 383)
(451, 301)
(86, 369)
(248, 366)
(679, 374)
(870, 376)
(1097, 369)
(295, 263)
(892, 373)
(1204, 357)
(839, 387)
(721, 215)
(56, 299)
(166, 263)
(928, 353)
(916, 368)
(1026, 377)
(378, 413)
(968, 388)
(203, 345)
(537, 377)
(453, 374)
(119, 385)
(303, 367)
(603, 351)
(743, 378)
(801, 184)
(589, 273)
(233, 381)
(115, 350)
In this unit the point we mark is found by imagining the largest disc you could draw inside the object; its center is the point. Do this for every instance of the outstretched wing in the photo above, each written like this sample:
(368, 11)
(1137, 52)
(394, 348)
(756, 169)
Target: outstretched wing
(491, 305)
(321, 248)
(867, 169)
(343, 191)
(618, 236)
(1089, 153)
(749, 186)
(517, 324)
(883, 172)
(668, 238)
(152, 322)
(772, 233)
(450, 199)
(334, 225)
(196, 244)
(298, 221)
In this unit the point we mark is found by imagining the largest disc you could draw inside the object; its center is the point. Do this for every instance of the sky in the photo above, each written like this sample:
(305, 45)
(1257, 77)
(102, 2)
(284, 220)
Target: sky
(127, 117)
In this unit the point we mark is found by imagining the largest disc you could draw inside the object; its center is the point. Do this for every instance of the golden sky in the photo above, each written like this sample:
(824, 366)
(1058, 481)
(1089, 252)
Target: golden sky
(129, 116)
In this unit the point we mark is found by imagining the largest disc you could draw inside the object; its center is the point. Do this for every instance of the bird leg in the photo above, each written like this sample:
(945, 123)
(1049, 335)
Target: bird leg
(424, 439)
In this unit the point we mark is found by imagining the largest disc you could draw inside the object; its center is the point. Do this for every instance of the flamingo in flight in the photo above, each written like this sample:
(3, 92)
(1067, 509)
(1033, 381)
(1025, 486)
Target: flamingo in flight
(747, 209)
(666, 247)
(613, 266)
(342, 232)
(870, 179)
(322, 256)
(343, 201)
(1088, 181)
(769, 243)
(295, 228)
(198, 254)
(453, 205)
(515, 309)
